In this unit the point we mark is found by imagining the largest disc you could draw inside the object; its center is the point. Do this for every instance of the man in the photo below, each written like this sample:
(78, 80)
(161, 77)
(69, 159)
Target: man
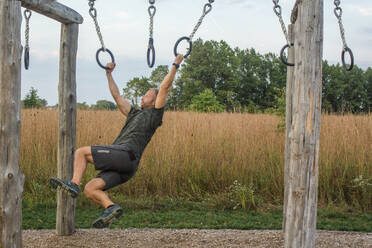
(119, 162)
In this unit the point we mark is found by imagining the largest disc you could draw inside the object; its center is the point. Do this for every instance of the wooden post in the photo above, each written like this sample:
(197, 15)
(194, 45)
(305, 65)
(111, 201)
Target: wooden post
(288, 116)
(302, 185)
(67, 125)
(11, 178)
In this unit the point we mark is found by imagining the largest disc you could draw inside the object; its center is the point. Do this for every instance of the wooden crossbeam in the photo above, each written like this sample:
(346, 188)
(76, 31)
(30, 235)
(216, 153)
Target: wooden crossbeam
(54, 10)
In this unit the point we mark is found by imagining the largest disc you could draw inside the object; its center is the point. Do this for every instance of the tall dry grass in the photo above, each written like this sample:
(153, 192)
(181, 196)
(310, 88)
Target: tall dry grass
(198, 155)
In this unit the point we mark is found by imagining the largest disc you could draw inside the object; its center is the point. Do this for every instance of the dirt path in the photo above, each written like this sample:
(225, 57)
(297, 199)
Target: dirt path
(144, 238)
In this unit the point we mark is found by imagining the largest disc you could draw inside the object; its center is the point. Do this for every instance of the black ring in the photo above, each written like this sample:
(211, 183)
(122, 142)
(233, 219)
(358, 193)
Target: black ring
(99, 62)
(178, 42)
(348, 50)
(27, 58)
(151, 53)
(282, 56)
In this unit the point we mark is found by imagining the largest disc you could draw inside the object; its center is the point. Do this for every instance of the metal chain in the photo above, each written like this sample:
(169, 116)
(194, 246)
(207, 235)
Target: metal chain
(93, 14)
(207, 8)
(338, 14)
(278, 11)
(152, 11)
(27, 14)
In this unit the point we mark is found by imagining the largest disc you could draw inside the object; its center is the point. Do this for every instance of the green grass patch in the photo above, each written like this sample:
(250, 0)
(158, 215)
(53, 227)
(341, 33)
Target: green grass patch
(178, 214)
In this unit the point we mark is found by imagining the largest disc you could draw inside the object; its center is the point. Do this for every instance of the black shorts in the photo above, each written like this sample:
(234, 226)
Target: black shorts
(116, 163)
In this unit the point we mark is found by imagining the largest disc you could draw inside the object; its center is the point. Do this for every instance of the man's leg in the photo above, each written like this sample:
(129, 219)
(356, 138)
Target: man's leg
(94, 191)
(83, 155)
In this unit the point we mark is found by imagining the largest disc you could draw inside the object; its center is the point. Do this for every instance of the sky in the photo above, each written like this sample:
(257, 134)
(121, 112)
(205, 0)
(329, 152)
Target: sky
(125, 28)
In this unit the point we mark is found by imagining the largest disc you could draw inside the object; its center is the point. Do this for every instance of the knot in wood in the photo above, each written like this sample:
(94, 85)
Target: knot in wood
(10, 176)
(294, 14)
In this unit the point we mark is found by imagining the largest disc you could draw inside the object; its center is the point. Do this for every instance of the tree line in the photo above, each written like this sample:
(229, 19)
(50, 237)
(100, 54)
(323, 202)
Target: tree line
(217, 77)
(33, 100)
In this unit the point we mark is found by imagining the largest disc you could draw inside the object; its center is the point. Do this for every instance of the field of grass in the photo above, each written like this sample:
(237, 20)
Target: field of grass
(170, 213)
(229, 161)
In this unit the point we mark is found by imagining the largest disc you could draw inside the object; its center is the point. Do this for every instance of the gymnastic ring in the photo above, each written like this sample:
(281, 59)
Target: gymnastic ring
(151, 53)
(99, 62)
(282, 55)
(348, 50)
(178, 42)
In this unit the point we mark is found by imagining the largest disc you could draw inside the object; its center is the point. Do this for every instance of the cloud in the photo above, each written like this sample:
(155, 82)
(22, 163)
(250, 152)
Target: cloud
(362, 10)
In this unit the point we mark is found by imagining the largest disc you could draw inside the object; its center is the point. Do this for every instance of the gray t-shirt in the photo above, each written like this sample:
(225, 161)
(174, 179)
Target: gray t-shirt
(139, 129)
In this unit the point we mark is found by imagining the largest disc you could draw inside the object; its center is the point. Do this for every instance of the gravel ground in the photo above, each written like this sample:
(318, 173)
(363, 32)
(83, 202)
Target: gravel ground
(144, 238)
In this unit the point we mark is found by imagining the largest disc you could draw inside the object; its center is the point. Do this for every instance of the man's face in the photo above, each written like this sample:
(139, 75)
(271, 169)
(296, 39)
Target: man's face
(148, 100)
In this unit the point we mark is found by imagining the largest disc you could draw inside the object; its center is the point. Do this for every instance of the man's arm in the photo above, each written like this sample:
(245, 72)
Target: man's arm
(123, 104)
(166, 85)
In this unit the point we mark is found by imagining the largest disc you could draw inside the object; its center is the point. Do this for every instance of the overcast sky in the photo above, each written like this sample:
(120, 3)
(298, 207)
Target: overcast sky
(125, 28)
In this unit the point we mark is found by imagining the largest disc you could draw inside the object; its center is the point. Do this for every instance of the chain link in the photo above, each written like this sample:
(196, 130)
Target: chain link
(338, 14)
(207, 8)
(278, 11)
(152, 11)
(27, 14)
(93, 14)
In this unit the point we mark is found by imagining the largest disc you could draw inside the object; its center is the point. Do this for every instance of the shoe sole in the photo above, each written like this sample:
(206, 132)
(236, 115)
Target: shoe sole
(58, 183)
(105, 222)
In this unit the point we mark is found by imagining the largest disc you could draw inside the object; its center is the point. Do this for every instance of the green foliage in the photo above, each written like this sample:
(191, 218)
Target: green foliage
(136, 88)
(242, 196)
(345, 91)
(206, 102)
(82, 106)
(181, 214)
(32, 100)
(368, 77)
(245, 80)
(104, 105)
(158, 75)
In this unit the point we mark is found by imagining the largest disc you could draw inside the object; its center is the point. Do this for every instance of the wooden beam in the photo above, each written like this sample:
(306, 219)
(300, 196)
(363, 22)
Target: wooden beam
(301, 211)
(67, 125)
(54, 10)
(288, 116)
(11, 178)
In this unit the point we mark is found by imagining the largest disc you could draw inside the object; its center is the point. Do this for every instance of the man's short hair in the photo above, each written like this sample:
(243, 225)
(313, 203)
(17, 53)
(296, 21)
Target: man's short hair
(156, 91)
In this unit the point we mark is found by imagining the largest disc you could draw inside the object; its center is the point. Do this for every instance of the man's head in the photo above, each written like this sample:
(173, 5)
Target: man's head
(148, 100)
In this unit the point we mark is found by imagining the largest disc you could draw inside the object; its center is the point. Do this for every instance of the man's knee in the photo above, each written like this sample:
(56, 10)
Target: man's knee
(83, 152)
(94, 185)
(88, 191)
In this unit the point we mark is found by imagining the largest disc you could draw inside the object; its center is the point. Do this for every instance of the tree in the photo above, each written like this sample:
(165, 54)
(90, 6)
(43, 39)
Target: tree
(104, 105)
(344, 91)
(136, 88)
(158, 75)
(82, 106)
(32, 100)
(211, 65)
(368, 77)
(206, 102)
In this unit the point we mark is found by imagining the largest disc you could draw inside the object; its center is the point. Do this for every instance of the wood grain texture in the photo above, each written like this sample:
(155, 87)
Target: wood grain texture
(303, 136)
(67, 125)
(54, 10)
(11, 178)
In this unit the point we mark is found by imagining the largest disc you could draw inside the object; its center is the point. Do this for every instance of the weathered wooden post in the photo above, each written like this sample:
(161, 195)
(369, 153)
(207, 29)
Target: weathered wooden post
(288, 116)
(11, 178)
(303, 136)
(67, 101)
(67, 125)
